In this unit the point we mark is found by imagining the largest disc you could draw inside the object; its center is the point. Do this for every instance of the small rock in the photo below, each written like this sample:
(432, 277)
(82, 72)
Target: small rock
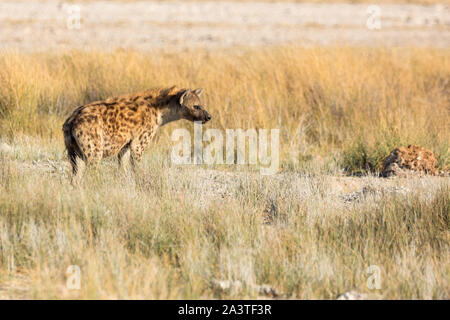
(265, 290)
(236, 285)
(352, 295)
(226, 285)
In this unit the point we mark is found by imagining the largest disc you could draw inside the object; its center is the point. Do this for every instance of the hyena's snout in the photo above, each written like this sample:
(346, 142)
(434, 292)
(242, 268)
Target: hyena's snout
(206, 117)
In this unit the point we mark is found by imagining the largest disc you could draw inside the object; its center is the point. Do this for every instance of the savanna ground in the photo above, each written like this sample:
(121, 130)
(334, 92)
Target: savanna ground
(310, 231)
(145, 25)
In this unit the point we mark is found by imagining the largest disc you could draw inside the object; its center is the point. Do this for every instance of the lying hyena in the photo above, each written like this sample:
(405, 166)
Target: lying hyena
(124, 126)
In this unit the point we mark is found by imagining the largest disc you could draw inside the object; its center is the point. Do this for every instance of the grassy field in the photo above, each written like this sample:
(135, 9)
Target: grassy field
(352, 105)
(170, 232)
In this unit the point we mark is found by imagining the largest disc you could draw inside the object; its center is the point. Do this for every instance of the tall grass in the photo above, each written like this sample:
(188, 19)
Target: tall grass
(169, 232)
(353, 103)
(154, 238)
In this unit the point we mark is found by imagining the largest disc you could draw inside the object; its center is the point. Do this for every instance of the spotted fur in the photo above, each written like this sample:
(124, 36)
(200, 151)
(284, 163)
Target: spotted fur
(127, 124)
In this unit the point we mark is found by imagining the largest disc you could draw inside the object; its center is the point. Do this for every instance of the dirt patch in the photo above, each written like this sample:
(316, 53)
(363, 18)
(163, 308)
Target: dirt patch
(354, 295)
(263, 291)
(369, 191)
(43, 25)
(412, 159)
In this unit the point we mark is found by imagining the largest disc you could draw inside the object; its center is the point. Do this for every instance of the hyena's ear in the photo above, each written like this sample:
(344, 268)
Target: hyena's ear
(169, 91)
(198, 91)
(184, 95)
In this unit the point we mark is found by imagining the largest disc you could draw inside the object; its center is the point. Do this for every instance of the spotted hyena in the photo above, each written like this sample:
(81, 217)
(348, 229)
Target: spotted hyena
(125, 125)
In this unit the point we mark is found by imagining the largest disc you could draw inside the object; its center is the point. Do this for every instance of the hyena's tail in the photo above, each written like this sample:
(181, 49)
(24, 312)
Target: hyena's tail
(73, 150)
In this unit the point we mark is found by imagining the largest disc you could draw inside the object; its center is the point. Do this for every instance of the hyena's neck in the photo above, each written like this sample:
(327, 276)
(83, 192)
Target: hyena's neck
(167, 114)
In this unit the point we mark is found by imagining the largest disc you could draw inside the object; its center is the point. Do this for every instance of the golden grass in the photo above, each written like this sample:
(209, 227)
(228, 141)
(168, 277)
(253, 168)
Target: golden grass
(168, 233)
(350, 104)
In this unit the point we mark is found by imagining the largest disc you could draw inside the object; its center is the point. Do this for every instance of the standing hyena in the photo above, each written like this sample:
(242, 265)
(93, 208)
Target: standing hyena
(125, 125)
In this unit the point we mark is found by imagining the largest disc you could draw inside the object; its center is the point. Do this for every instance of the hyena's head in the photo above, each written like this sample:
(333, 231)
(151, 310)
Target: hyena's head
(191, 107)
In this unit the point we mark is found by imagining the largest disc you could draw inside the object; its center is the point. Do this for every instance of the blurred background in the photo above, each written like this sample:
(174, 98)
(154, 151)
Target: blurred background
(36, 25)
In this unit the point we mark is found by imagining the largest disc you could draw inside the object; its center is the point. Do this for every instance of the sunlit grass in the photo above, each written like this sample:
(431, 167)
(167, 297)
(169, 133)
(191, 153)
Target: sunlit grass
(156, 237)
(345, 102)
(170, 231)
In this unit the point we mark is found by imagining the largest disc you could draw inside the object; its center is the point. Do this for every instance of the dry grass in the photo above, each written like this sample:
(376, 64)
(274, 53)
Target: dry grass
(172, 230)
(350, 104)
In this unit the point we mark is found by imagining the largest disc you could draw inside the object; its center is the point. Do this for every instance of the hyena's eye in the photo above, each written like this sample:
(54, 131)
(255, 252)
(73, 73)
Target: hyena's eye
(197, 107)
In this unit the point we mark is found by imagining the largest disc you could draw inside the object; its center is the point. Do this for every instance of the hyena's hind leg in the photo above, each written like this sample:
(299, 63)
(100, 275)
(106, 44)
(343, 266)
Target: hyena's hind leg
(90, 147)
(123, 158)
(73, 157)
(73, 152)
(78, 165)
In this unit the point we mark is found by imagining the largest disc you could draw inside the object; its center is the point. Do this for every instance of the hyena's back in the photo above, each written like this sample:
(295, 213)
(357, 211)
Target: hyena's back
(103, 129)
